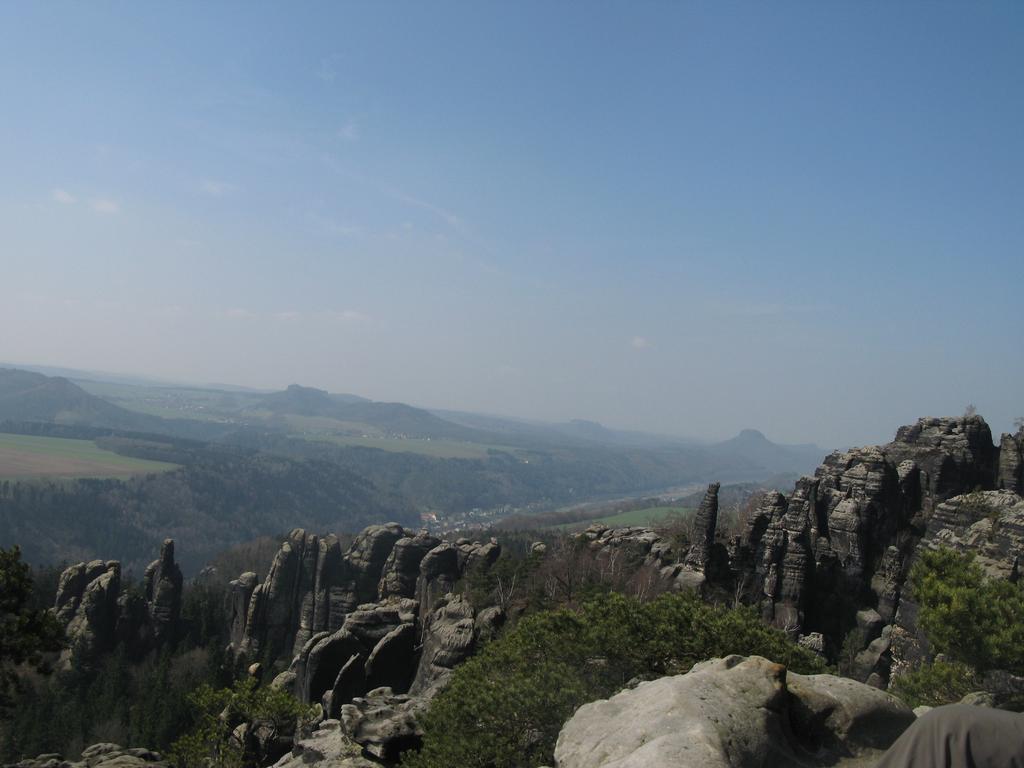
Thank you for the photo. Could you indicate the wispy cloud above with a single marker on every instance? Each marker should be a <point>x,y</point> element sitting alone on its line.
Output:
<point>404,197</point>
<point>105,206</point>
<point>63,197</point>
<point>327,70</point>
<point>347,315</point>
<point>334,227</point>
<point>216,188</point>
<point>640,342</point>
<point>398,194</point>
<point>349,131</point>
<point>756,308</point>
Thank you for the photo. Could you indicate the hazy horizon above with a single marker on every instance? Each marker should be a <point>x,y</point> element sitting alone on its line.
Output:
<point>681,219</point>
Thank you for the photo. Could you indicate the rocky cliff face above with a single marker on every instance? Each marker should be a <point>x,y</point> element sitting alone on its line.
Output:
<point>834,555</point>
<point>97,616</point>
<point>163,585</point>
<point>87,607</point>
<point>844,541</point>
<point>1011,462</point>
<point>312,587</point>
<point>377,623</point>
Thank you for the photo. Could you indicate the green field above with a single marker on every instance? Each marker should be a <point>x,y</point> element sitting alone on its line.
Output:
<point>25,456</point>
<point>441,449</point>
<point>647,516</point>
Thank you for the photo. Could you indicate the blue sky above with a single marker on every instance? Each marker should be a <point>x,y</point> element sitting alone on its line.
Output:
<point>680,217</point>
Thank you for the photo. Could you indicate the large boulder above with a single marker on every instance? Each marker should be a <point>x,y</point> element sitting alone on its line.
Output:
<point>103,755</point>
<point>734,712</point>
<point>384,723</point>
<point>327,746</point>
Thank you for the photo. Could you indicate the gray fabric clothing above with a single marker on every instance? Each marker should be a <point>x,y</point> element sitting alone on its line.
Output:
<point>960,736</point>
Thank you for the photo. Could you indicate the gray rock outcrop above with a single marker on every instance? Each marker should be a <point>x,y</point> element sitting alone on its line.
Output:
<point>450,635</point>
<point>384,723</point>
<point>732,713</point>
<point>237,599</point>
<point>97,615</point>
<point>402,568</point>
<point>1011,462</point>
<point>163,587</point>
<point>327,746</point>
<point>312,587</point>
<point>105,755</point>
<point>844,541</point>
<point>831,559</point>
<point>380,617</point>
<point>704,524</point>
<point>87,607</point>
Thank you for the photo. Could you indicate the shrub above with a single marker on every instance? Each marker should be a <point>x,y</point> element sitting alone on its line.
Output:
<point>505,706</point>
<point>936,684</point>
<point>967,616</point>
<point>211,744</point>
<point>27,632</point>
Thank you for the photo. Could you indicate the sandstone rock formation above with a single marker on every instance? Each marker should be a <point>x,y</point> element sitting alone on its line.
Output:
<point>237,604</point>
<point>311,586</point>
<point>1011,462</point>
<point>87,607</point>
<point>326,746</point>
<point>384,723</point>
<point>402,568</point>
<point>704,524</point>
<point>733,712</point>
<point>450,635</point>
<point>843,541</point>
<point>96,615</point>
<point>163,585</point>
<point>835,554</point>
<point>100,756</point>
<point>372,633</point>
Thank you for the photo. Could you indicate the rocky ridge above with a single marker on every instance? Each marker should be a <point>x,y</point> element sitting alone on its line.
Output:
<point>834,555</point>
<point>372,633</point>
<point>97,615</point>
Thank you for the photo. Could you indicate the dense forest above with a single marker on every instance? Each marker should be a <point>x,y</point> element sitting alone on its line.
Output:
<point>261,482</point>
<point>220,496</point>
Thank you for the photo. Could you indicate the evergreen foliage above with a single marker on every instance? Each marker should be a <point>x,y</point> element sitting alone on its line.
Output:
<point>935,684</point>
<point>967,616</point>
<point>211,741</point>
<point>505,706</point>
<point>122,698</point>
<point>27,631</point>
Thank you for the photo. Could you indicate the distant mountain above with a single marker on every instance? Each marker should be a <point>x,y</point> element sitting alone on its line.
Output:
<point>389,418</point>
<point>753,447</point>
<point>575,431</point>
<point>301,401</point>
<point>28,396</point>
<point>80,375</point>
